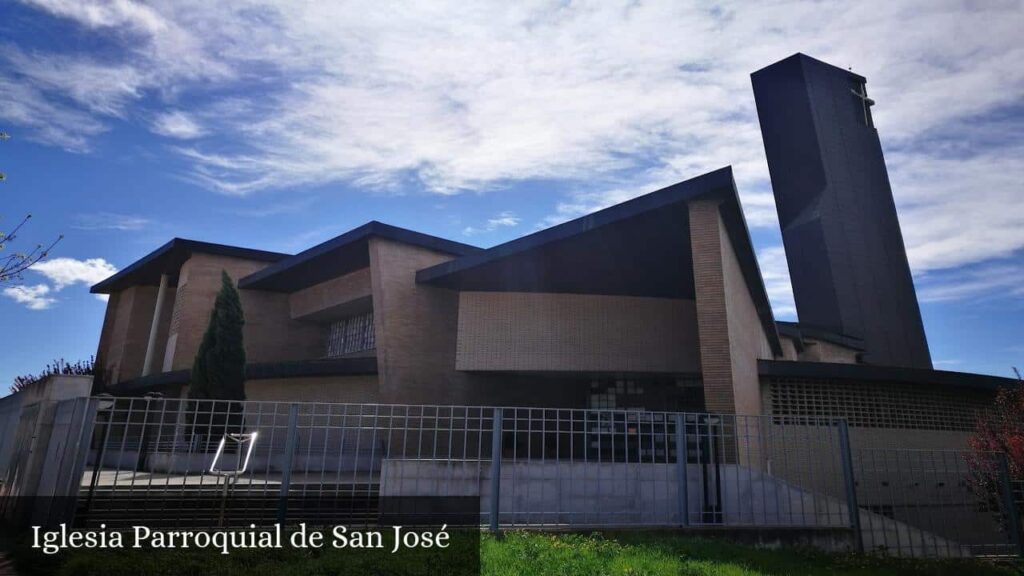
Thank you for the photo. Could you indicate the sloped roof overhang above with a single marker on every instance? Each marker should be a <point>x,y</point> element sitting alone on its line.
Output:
<point>167,259</point>
<point>640,247</point>
<point>341,255</point>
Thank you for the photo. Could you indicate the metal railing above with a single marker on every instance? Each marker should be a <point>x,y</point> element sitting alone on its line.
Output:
<point>149,460</point>
<point>555,465</point>
<point>930,503</point>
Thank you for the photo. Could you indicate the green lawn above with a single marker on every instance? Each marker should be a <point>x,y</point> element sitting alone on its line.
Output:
<point>514,554</point>
<point>657,554</point>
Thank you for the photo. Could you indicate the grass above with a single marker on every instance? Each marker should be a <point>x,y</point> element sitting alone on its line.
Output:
<point>514,554</point>
<point>657,554</point>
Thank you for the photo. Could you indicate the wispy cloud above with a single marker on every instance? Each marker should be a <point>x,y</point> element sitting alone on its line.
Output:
<point>177,124</point>
<point>503,220</point>
<point>995,279</point>
<point>446,98</point>
<point>110,221</point>
<point>294,204</point>
<point>33,297</point>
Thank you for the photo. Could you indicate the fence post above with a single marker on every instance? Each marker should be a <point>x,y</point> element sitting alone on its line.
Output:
<point>1012,518</point>
<point>495,467</point>
<point>291,439</point>
<point>849,481</point>
<point>682,480</point>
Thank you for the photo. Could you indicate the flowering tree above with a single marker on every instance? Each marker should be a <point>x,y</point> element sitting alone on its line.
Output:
<point>1001,430</point>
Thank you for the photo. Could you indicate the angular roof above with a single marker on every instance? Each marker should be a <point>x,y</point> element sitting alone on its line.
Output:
<point>640,247</point>
<point>167,259</point>
<point>872,373</point>
<point>341,255</point>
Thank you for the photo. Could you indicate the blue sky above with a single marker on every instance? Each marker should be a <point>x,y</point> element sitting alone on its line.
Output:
<point>275,125</point>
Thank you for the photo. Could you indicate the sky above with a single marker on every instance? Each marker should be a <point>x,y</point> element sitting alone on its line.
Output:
<point>278,125</point>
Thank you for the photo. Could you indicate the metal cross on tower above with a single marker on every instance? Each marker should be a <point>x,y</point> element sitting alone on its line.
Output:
<point>865,101</point>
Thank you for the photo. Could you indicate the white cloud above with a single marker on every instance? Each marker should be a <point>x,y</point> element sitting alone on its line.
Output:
<point>775,272</point>
<point>450,97</point>
<point>33,297</point>
<point>960,209</point>
<point>1000,278</point>
<point>177,124</point>
<point>503,220</point>
<point>47,122</point>
<point>61,272</point>
<point>66,271</point>
<point>110,221</point>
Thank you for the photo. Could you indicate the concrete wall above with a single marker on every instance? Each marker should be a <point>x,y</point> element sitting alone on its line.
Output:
<point>880,453</point>
<point>27,419</point>
<point>561,492</point>
<point>576,332</point>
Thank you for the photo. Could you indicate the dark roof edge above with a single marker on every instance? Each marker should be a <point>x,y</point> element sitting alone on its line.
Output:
<point>372,228</point>
<point>869,373</point>
<point>717,182</point>
<point>804,58</point>
<point>192,246</point>
<point>801,331</point>
<point>680,191</point>
<point>260,371</point>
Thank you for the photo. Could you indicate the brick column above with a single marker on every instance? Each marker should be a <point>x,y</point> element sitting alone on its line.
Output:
<point>712,320</point>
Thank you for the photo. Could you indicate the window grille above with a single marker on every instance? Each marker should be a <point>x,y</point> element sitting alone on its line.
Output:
<point>877,405</point>
<point>349,335</point>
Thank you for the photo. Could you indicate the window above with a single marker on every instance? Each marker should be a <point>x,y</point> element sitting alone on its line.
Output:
<point>349,335</point>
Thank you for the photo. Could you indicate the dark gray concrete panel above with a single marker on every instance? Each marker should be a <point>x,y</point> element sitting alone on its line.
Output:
<point>843,242</point>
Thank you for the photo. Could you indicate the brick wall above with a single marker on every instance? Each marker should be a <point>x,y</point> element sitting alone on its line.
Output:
<point>415,327</point>
<point>576,332</point>
<point>336,292</point>
<point>731,335</point>
<point>125,332</point>
<point>747,339</point>
<point>270,333</point>
<point>354,389</point>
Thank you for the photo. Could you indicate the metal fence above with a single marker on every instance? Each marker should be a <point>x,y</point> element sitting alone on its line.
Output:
<point>928,503</point>
<point>196,463</point>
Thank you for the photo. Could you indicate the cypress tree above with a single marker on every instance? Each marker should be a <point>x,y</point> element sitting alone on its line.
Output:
<point>218,372</point>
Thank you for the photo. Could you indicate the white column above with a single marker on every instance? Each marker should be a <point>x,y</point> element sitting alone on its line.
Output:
<point>147,364</point>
